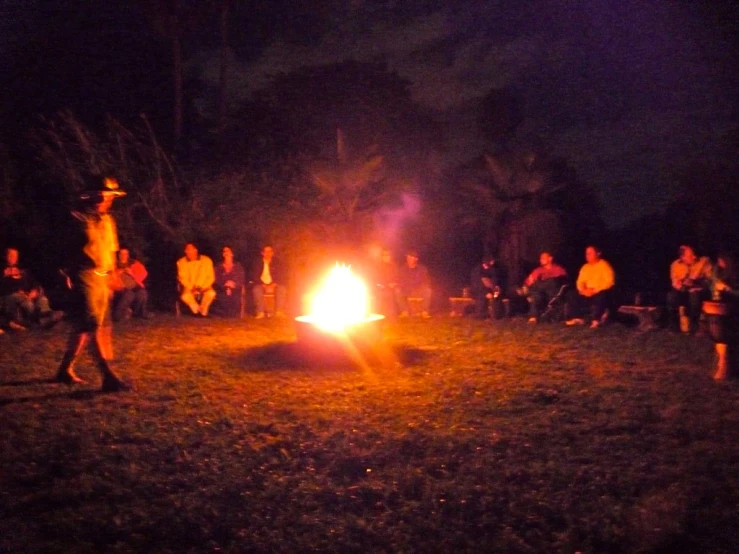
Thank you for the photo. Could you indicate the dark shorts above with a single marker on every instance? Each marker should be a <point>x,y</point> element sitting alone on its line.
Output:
<point>90,307</point>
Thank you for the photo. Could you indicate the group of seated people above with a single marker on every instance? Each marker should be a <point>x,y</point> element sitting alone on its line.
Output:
<point>399,290</point>
<point>693,280</point>
<point>590,300</point>
<point>23,301</point>
<point>202,284</point>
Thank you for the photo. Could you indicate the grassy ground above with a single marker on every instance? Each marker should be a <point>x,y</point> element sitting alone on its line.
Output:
<point>479,437</point>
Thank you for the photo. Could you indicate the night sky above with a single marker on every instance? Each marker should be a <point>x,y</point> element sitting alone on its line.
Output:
<point>631,92</point>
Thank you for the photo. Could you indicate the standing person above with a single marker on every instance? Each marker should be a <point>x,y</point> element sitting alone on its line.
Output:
<point>413,282</point>
<point>131,293</point>
<point>196,276</point>
<point>543,284</point>
<point>91,268</point>
<point>228,284</point>
<point>690,277</point>
<point>594,286</point>
<point>485,285</point>
<point>267,278</point>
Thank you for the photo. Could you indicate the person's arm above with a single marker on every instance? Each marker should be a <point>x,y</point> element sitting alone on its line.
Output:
<point>607,278</point>
<point>581,280</point>
<point>139,273</point>
<point>676,278</point>
<point>533,276</point>
<point>209,275</point>
<point>183,275</point>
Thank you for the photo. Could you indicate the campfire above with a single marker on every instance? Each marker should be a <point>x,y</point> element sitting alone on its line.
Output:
<point>340,314</point>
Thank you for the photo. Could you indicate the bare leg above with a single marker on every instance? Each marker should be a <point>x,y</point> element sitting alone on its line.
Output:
<point>66,373</point>
<point>104,338</point>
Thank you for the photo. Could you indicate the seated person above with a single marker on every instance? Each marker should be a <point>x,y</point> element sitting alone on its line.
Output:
<point>195,276</point>
<point>413,281</point>
<point>594,288</point>
<point>725,278</point>
<point>267,278</point>
<point>542,285</point>
<point>228,284</point>
<point>23,300</point>
<point>690,278</point>
<point>130,291</point>
<point>386,283</point>
<point>486,287</point>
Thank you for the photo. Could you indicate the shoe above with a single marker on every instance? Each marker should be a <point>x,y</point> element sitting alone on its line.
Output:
<point>2,332</point>
<point>595,324</point>
<point>114,384</point>
<point>403,314</point>
<point>16,326</point>
<point>575,321</point>
<point>425,315</point>
<point>259,315</point>
<point>69,378</point>
<point>533,320</point>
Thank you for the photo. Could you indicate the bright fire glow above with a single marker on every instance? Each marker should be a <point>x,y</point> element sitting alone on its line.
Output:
<point>341,300</point>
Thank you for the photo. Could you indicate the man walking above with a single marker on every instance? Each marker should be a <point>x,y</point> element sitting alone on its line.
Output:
<point>93,263</point>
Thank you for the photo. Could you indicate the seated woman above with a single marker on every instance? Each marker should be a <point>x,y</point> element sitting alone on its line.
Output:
<point>228,285</point>
<point>594,290</point>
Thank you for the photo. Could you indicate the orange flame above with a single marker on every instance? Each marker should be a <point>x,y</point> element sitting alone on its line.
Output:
<point>340,301</point>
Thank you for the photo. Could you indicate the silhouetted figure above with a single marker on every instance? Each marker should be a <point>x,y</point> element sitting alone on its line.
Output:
<point>690,278</point>
<point>89,274</point>
<point>413,282</point>
<point>229,282</point>
<point>268,278</point>
<point>542,285</point>
<point>131,296</point>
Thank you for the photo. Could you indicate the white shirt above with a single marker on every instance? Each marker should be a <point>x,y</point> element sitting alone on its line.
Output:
<point>266,277</point>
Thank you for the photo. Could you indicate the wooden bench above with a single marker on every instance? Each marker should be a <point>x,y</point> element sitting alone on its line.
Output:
<point>648,316</point>
<point>459,305</point>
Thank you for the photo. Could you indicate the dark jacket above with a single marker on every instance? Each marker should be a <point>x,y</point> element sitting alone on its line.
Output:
<point>275,270</point>
<point>410,279</point>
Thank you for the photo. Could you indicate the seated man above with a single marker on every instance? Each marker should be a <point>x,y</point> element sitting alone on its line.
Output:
<point>725,278</point>
<point>23,299</point>
<point>228,285</point>
<point>267,278</point>
<point>413,281</point>
<point>690,277</point>
<point>542,285</point>
<point>130,291</point>
<point>195,275</point>
<point>386,283</point>
<point>594,287</point>
<point>486,287</point>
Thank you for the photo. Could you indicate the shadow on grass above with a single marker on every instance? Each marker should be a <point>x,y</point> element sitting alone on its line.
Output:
<point>87,394</point>
<point>29,382</point>
<point>297,356</point>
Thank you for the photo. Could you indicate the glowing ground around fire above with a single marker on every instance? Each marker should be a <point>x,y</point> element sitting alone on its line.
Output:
<point>477,437</point>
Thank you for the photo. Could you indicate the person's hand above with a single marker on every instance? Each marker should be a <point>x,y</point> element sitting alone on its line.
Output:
<point>487,282</point>
<point>33,294</point>
<point>230,284</point>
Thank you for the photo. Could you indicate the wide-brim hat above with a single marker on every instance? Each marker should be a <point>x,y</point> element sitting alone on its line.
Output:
<point>100,186</point>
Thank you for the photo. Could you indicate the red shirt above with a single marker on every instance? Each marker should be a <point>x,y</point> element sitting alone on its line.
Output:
<point>542,273</point>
